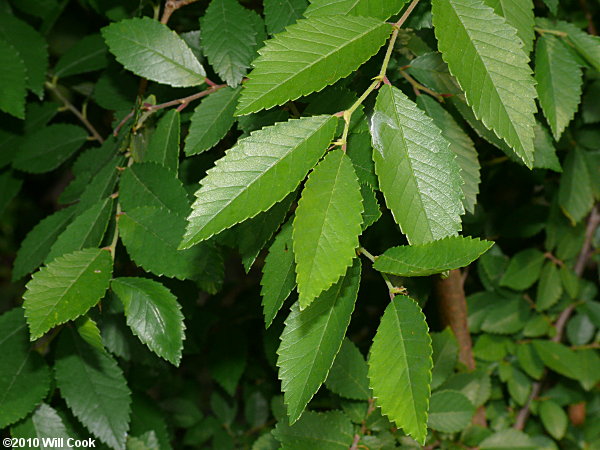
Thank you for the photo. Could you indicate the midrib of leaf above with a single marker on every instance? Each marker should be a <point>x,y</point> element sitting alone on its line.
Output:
<point>353,378</point>
<point>107,414</point>
<point>147,48</point>
<point>14,378</point>
<point>321,235</point>
<point>80,60</point>
<point>327,55</point>
<point>152,194</point>
<point>62,143</point>
<point>71,284</point>
<point>487,72</point>
<point>152,232</point>
<point>406,362</point>
<point>11,334</point>
<point>147,306</point>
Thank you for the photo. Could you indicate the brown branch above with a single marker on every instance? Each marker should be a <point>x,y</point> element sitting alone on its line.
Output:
<point>586,250</point>
<point>171,6</point>
<point>589,17</point>
<point>54,89</point>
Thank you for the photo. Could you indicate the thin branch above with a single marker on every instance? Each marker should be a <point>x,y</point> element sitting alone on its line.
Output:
<point>419,87</point>
<point>589,17</point>
<point>54,89</point>
<point>171,6</point>
<point>584,255</point>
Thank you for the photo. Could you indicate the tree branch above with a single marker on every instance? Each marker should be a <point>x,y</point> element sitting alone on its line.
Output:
<point>171,6</point>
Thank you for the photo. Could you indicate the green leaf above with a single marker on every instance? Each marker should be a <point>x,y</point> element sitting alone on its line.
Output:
<point>433,72</point>
<point>460,144</point>
<point>279,274</point>
<point>151,236</point>
<point>32,49</point>
<point>529,360</point>
<point>24,376</point>
<point>553,418</point>
<point>9,188</point>
<point>490,347</point>
<point>308,56</point>
<point>491,67</point>
<point>94,388</point>
<point>281,13</point>
<point>445,355</point>
<point>330,430</point>
<point>229,39</point>
<point>227,358</point>
<point>153,315</point>
<point>151,50</point>
<point>327,222</point>
<point>211,121</point>
<point>434,257</point>
<point>476,386</point>
<point>312,338</point>
<point>580,329</point>
<point>379,9</point>
<point>48,147</point>
<point>44,424</point>
<point>418,173</point>
<point>372,211</point>
<point>558,358</point>
<point>508,439</point>
<point>589,366</point>
<point>256,173</point>
<point>66,288</point>
<point>87,230</point>
<point>348,376</point>
<point>87,55</point>
<point>101,185</point>
<point>549,289</point>
<point>150,184</point>
<point>519,386</point>
<point>89,332</point>
<point>545,153</point>
<point>507,316</point>
<point>559,80</point>
<point>523,270</point>
<point>449,411</point>
<point>575,191</point>
<point>12,81</point>
<point>519,14</point>
<point>38,242</point>
<point>400,366</point>
<point>164,143</point>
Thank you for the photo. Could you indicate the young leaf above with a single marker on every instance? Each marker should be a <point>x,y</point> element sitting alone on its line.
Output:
<point>164,143</point>
<point>86,231</point>
<point>38,242</point>
<point>94,388</point>
<point>312,338</point>
<point>379,9</point>
<point>150,184</point>
<point>549,289</point>
<point>348,375</point>
<point>433,257</point>
<point>460,144</point>
<point>519,14</point>
<point>66,288</point>
<point>44,424</point>
<point>279,274</point>
<point>257,172</point>
<point>151,50</point>
<point>153,315</point>
<point>49,147</point>
<point>151,236</point>
<point>327,222</point>
<point>400,366</point>
<point>24,376</point>
<point>331,430</point>
<point>89,332</point>
<point>12,81</point>
<point>575,192</point>
<point>211,121</point>
<point>308,56</point>
<point>559,80</point>
<point>229,39</point>
<point>87,55</point>
<point>281,13</point>
<point>491,67</point>
<point>32,48</point>
<point>449,411</point>
<point>523,270</point>
<point>418,173</point>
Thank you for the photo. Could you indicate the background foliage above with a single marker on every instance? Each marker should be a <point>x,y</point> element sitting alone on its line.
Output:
<point>192,194</point>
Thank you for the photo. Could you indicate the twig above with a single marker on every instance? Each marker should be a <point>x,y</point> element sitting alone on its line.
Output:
<point>589,17</point>
<point>419,87</point>
<point>54,89</point>
<point>586,250</point>
<point>171,6</point>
